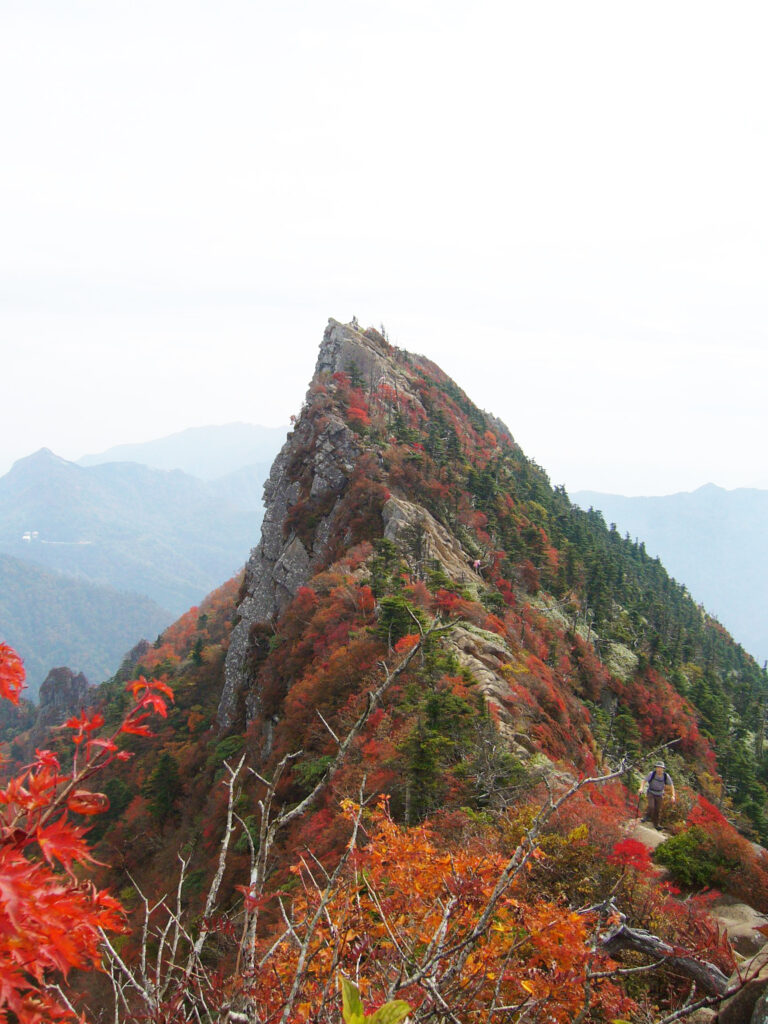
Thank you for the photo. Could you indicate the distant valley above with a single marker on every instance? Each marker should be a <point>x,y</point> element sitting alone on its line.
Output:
<point>95,556</point>
<point>53,620</point>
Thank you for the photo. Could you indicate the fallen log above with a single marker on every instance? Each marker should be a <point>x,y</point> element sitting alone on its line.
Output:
<point>707,976</point>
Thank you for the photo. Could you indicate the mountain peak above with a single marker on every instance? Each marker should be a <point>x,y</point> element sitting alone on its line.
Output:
<point>395,503</point>
<point>709,488</point>
<point>42,463</point>
<point>43,456</point>
<point>346,345</point>
<point>367,408</point>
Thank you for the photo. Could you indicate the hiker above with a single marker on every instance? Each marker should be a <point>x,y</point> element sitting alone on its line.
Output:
<point>654,786</point>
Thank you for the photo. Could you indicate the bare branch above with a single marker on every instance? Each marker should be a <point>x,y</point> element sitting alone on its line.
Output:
<point>330,730</point>
<point>213,891</point>
<point>324,900</point>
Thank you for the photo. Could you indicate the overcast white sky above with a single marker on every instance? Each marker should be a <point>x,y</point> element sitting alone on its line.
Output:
<point>562,204</point>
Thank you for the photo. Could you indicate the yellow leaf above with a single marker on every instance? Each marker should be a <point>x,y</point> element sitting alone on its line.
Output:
<point>352,1009</point>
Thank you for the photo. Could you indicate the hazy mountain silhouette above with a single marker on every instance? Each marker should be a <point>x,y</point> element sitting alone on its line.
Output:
<point>205,452</point>
<point>161,533</point>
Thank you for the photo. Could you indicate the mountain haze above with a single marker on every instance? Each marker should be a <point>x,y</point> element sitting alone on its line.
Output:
<point>204,452</point>
<point>161,533</point>
<point>54,620</point>
<point>714,541</point>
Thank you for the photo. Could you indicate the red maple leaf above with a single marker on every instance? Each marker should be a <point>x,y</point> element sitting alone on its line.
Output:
<point>11,674</point>
<point>63,842</point>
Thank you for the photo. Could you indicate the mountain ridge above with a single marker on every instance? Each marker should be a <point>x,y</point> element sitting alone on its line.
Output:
<point>308,503</point>
<point>205,452</point>
<point>713,540</point>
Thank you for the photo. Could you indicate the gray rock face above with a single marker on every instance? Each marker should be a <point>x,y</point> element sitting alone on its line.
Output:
<point>315,464</point>
<point>747,1006</point>
<point>62,694</point>
<point>741,922</point>
<point>401,516</point>
<point>344,347</point>
<point>331,470</point>
<point>484,654</point>
<point>739,1009</point>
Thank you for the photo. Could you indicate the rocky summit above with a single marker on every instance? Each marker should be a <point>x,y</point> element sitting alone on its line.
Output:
<point>566,642</point>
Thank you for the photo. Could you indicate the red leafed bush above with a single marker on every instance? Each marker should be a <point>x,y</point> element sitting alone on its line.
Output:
<point>704,813</point>
<point>50,920</point>
<point>631,853</point>
<point>405,643</point>
<point>359,416</point>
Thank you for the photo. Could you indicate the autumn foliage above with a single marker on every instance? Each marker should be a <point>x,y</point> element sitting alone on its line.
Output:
<point>558,649</point>
<point>50,918</point>
<point>407,917</point>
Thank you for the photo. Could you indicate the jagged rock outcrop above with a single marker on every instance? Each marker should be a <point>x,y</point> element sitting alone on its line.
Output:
<point>407,523</point>
<point>326,452</point>
<point>62,694</point>
<point>484,654</point>
<point>345,346</point>
<point>313,470</point>
<point>133,657</point>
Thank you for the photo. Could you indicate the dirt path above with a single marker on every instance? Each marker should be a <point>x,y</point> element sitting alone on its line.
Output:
<point>738,919</point>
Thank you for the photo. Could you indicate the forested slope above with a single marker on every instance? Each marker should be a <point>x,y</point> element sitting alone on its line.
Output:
<point>54,620</point>
<point>712,540</point>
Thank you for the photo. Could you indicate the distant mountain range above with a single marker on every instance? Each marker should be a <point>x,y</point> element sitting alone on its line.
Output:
<point>712,540</point>
<point>161,533</point>
<point>205,452</point>
<point>97,556</point>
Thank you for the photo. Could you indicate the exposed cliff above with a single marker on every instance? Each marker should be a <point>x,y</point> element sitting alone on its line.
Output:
<point>307,483</point>
<point>62,694</point>
<point>313,471</point>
